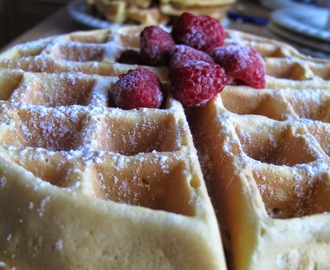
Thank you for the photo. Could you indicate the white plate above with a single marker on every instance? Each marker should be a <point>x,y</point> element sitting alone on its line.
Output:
<point>77,11</point>
<point>277,4</point>
<point>283,35</point>
<point>292,36</point>
<point>308,22</point>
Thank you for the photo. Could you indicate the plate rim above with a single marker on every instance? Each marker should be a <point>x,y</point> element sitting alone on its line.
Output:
<point>77,10</point>
<point>281,18</point>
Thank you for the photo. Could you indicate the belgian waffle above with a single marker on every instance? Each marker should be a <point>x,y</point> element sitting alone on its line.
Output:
<point>155,12</point>
<point>103,186</point>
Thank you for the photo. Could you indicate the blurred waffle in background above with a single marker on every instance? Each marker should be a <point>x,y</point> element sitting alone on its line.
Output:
<point>155,12</point>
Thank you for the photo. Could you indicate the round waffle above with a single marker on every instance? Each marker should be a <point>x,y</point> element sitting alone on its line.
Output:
<point>86,186</point>
<point>155,12</point>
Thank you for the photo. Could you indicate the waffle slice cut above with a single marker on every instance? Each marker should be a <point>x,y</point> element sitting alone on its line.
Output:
<point>86,186</point>
<point>84,213</point>
<point>267,170</point>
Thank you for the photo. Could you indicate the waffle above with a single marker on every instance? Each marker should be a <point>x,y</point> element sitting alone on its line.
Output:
<point>85,186</point>
<point>215,9</point>
<point>155,12</point>
<point>265,158</point>
<point>102,187</point>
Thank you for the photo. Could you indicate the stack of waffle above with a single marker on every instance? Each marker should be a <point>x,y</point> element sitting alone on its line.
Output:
<point>154,12</point>
<point>85,186</point>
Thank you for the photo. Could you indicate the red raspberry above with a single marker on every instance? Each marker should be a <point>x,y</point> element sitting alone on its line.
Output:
<point>243,65</point>
<point>138,88</point>
<point>181,53</point>
<point>195,82</point>
<point>198,31</point>
<point>155,46</point>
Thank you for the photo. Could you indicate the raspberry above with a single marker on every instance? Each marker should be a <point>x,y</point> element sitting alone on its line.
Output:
<point>181,53</point>
<point>130,57</point>
<point>243,65</point>
<point>198,31</point>
<point>155,46</point>
<point>138,88</point>
<point>195,82</point>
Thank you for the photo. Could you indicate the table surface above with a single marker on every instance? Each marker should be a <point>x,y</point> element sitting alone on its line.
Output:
<point>61,22</point>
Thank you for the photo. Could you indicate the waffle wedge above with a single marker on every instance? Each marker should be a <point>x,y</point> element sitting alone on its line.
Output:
<point>85,186</point>
<point>265,158</point>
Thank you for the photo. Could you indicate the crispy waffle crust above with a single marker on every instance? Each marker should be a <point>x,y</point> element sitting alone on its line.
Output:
<point>86,186</point>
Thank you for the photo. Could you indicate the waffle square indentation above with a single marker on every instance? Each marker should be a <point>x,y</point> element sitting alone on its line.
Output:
<point>139,132</point>
<point>56,168</point>
<point>9,82</point>
<point>290,193</point>
<point>311,104</point>
<point>49,129</point>
<point>78,52</point>
<point>153,181</point>
<point>247,101</point>
<point>54,90</point>
<point>278,145</point>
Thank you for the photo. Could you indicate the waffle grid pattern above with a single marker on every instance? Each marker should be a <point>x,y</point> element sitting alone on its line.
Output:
<point>131,178</point>
<point>55,124</point>
<point>268,166</point>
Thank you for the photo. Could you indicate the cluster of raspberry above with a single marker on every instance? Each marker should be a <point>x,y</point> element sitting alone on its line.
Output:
<point>200,65</point>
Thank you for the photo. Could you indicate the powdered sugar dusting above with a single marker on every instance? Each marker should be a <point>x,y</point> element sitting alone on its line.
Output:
<point>41,209</point>
<point>3,182</point>
<point>59,245</point>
